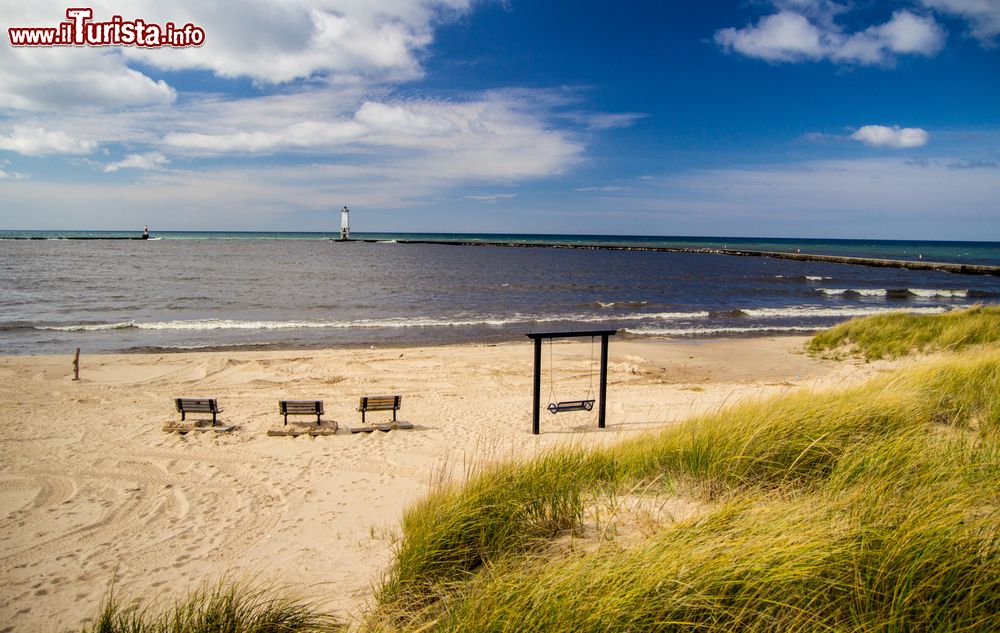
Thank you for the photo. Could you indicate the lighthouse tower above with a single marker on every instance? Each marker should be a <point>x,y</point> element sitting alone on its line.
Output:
<point>345,226</point>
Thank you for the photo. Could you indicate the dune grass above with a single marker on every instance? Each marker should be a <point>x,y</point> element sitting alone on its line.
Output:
<point>898,334</point>
<point>875,509</point>
<point>223,608</point>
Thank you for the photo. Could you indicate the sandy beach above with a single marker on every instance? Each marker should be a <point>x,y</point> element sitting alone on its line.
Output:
<point>92,487</point>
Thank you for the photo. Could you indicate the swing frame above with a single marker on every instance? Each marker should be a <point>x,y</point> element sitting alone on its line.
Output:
<point>538,337</point>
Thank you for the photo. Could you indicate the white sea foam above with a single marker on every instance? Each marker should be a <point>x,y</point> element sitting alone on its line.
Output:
<point>497,321</point>
<point>806,277</point>
<point>663,316</point>
<point>628,304</point>
<point>813,311</point>
<point>392,322</point>
<point>864,292</point>
<point>89,327</point>
<point>702,331</point>
<point>927,293</point>
<point>228,324</point>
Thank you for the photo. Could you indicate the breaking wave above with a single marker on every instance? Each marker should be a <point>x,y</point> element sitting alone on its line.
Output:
<point>89,327</point>
<point>395,322</point>
<point>709,331</point>
<point>901,293</point>
<point>789,312</point>
<point>811,311</point>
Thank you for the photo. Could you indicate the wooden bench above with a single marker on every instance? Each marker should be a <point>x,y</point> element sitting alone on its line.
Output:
<point>379,403</point>
<point>301,407</point>
<point>198,405</point>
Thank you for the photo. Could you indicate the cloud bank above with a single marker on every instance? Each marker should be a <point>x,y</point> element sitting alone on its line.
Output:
<point>320,101</point>
<point>807,32</point>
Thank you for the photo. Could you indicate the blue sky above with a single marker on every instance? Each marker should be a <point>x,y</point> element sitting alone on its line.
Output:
<point>786,118</point>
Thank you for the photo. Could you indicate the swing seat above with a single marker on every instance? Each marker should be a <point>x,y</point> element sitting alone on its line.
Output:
<point>571,405</point>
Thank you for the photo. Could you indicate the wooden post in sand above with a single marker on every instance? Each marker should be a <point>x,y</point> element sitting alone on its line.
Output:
<point>76,365</point>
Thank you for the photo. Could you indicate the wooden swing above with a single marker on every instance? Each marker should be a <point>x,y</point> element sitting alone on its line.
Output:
<point>571,405</point>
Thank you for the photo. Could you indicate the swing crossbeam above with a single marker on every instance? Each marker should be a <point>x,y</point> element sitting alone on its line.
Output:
<point>571,405</point>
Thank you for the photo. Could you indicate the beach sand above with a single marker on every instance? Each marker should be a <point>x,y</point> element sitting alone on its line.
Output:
<point>91,487</point>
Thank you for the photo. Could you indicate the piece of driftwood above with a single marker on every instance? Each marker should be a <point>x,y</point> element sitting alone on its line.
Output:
<point>187,427</point>
<point>327,427</point>
<point>386,426</point>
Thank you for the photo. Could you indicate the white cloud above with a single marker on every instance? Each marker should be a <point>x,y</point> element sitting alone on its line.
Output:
<point>303,135</point>
<point>894,137</point>
<point>278,42</point>
<point>598,121</point>
<point>491,137</point>
<point>491,198</point>
<point>785,37</point>
<point>605,189</point>
<point>806,31</point>
<point>38,141</point>
<point>10,174</point>
<point>907,33</point>
<point>403,120</point>
<point>145,162</point>
<point>41,79</point>
<point>983,16</point>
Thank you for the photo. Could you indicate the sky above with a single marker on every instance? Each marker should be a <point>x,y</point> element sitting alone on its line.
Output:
<point>757,118</point>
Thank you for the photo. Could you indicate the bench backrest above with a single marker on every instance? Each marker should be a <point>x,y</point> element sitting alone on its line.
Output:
<point>304,407</point>
<point>197,405</point>
<point>380,403</point>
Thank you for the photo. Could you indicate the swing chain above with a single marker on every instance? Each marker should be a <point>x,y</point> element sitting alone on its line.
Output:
<point>575,405</point>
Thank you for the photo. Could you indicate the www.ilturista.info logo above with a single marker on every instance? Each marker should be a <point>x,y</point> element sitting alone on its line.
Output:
<point>81,30</point>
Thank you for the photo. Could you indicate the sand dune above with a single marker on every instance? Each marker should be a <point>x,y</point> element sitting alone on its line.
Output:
<point>92,487</point>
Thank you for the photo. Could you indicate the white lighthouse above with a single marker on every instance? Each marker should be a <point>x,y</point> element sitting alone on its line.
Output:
<point>345,226</point>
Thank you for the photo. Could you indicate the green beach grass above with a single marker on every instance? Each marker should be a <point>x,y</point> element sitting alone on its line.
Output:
<point>873,509</point>
<point>898,334</point>
<point>228,607</point>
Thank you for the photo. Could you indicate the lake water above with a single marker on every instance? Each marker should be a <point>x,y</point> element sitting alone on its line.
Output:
<point>237,290</point>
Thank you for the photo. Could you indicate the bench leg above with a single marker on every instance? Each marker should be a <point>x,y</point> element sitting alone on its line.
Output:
<point>393,415</point>
<point>213,418</point>
<point>182,415</point>
<point>362,416</point>
<point>286,420</point>
<point>317,419</point>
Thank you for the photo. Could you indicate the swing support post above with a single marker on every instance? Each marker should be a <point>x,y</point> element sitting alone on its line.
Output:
<point>604,381</point>
<point>537,337</point>
<point>536,391</point>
